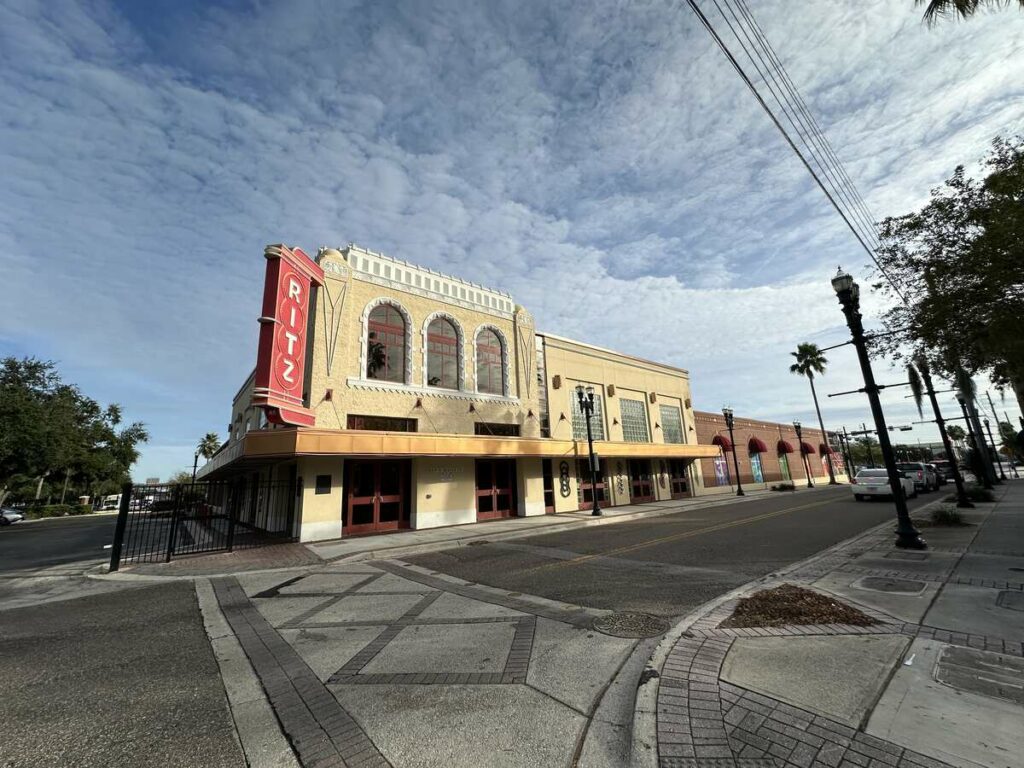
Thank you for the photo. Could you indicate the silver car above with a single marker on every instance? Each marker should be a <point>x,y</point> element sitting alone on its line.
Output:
<point>875,482</point>
<point>8,516</point>
<point>923,475</point>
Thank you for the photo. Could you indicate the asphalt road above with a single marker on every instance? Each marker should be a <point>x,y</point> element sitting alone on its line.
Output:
<point>46,543</point>
<point>126,678</point>
<point>672,564</point>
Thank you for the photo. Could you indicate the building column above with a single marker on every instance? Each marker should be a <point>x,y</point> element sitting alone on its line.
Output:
<point>320,513</point>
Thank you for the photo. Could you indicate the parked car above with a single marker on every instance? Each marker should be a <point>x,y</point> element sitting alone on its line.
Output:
<point>941,473</point>
<point>869,483</point>
<point>923,476</point>
<point>8,516</point>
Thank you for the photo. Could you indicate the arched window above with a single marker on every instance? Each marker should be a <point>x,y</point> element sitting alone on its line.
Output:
<point>385,344</point>
<point>442,354</point>
<point>490,363</point>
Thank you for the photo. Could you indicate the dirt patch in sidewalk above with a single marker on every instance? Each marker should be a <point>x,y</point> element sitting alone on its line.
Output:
<point>789,604</point>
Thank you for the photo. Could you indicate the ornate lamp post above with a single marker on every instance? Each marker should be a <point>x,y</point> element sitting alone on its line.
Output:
<point>586,398</point>
<point>848,293</point>
<point>729,423</point>
<point>195,467</point>
<point>803,456</point>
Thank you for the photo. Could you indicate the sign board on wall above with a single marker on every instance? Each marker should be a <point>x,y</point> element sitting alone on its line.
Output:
<point>284,325</point>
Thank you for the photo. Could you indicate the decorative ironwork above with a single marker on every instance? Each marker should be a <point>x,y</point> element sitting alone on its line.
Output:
<point>564,487</point>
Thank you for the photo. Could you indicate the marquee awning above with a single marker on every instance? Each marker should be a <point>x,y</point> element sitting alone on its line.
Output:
<point>827,450</point>
<point>783,447</point>
<point>806,447</point>
<point>756,445</point>
<point>723,442</point>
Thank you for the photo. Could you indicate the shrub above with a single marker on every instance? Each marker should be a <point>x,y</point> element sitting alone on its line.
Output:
<point>57,510</point>
<point>947,516</point>
<point>974,493</point>
<point>784,487</point>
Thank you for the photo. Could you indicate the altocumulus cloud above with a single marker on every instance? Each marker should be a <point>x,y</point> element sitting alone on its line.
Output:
<point>598,161</point>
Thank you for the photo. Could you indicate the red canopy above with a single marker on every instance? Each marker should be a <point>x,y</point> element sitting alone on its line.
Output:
<point>807,447</point>
<point>723,441</point>
<point>756,445</point>
<point>826,449</point>
<point>783,447</point>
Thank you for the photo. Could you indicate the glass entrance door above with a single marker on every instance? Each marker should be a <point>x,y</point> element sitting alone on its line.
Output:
<point>377,496</point>
<point>549,486</point>
<point>495,488</point>
<point>641,488</point>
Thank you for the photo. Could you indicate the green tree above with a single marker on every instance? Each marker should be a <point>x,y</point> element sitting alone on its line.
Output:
<point>49,428</point>
<point>956,263</point>
<point>809,361</point>
<point>962,9</point>
<point>209,445</point>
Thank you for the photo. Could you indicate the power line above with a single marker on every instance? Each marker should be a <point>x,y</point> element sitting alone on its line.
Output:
<point>794,117</point>
<point>789,140</point>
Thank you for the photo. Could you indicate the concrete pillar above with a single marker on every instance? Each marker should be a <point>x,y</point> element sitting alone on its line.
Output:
<point>321,512</point>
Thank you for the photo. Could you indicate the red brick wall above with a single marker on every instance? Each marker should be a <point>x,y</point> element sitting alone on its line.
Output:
<point>708,425</point>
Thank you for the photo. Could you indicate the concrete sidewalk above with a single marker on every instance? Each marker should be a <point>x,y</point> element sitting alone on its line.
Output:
<point>937,680</point>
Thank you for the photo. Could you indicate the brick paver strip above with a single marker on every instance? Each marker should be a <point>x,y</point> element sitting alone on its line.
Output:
<point>321,732</point>
<point>579,617</point>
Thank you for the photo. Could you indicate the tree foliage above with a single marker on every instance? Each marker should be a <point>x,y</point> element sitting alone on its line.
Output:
<point>209,445</point>
<point>961,9</point>
<point>957,263</point>
<point>49,429</point>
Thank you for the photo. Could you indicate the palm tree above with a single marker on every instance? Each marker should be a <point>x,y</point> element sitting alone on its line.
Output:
<point>209,445</point>
<point>961,8</point>
<point>809,361</point>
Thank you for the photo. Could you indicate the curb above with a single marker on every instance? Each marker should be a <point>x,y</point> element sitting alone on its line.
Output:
<point>644,750</point>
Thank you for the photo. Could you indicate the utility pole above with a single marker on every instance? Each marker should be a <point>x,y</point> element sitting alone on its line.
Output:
<point>961,494</point>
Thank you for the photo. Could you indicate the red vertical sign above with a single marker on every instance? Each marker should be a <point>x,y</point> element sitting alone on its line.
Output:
<point>281,359</point>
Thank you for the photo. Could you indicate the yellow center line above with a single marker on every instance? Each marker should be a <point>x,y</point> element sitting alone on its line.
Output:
<point>676,537</point>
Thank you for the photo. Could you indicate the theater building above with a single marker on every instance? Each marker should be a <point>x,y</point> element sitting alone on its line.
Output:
<point>396,397</point>
<point>399,397</point>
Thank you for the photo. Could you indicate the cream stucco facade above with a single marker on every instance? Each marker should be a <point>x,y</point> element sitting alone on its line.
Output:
<point>401,452</point>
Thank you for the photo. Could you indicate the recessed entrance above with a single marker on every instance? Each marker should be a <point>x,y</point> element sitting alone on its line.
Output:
<point>585,491</point>
<point>495,488</point>
<point>376,496</point>
<point>641,488</point>
<point>549,486</point>
<point>677,478</point>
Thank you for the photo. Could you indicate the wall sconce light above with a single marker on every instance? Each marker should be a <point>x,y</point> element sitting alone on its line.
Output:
<point>615,422</point>
<point>556,382</point>
<point>329,394</point>
<point>657,425</point>
<point>419,402</point>
<point>654,397</point>
<point>472,408</point>
<point>687,402</point>
<point>529,414</point>
<point>562,417</point>
<point>611,390</point>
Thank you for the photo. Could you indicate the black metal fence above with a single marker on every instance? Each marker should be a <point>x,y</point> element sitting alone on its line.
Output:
<point>156,523</point>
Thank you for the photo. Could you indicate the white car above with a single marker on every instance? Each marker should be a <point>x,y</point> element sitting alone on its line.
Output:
<point>875,482</point>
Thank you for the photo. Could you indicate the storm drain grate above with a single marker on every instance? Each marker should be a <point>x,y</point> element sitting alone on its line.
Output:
<point>629,624</point>
<point>886,584</point>
<point>1011,599</point>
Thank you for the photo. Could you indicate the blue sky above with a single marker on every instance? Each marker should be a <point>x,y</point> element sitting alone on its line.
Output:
<point>599,161</point>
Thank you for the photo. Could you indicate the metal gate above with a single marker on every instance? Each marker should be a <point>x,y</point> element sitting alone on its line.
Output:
<point>156,523</point>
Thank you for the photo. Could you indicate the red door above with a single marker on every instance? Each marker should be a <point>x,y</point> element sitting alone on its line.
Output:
<point>495,488</point>
<point>376,496</point>
<point>641,488</point>
<point>677,478</point>
<point>586,489</point>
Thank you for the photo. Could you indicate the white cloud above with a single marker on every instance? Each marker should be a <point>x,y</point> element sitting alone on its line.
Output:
<point>148,157</point>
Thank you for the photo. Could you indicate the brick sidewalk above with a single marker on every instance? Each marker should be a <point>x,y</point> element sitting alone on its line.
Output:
<point>239,561</point>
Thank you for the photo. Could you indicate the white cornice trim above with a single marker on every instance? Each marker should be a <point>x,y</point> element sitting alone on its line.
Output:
<point>449,394</point>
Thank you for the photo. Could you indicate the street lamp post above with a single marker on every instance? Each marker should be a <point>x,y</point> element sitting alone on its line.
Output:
<point>844,441</point>
<point>848,293</point>
<point>195,467</point>
<point>995,449</point>
<point>803,454</point>
<point>729,422</point>
<point>586,399</point>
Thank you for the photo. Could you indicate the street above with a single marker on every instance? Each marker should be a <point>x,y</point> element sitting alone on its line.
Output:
<point>669,565</point>
<point>34,545</point>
